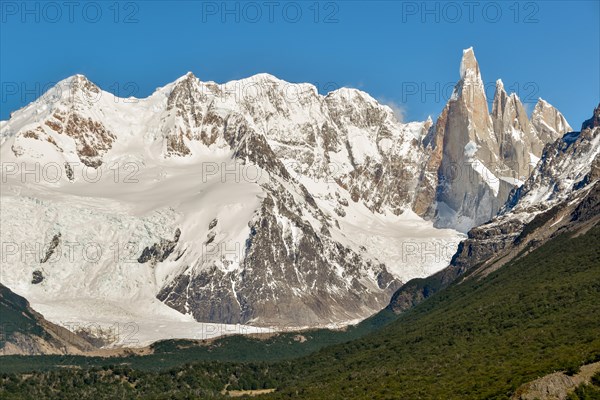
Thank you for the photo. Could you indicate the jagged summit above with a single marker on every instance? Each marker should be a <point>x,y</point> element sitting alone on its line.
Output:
<point>543,105</point>
<point>75,78</point>
<point>78,82</point>
<point>187,76</point>
<point>469,68</point>
<point>351,94</point>
<point>548,121</point>
<point>470,89</point>
<point>500,95</point>
<point>594,121</point>
<point>481,156</point>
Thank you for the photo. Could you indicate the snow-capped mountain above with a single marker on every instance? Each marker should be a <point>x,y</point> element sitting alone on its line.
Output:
<point>256,201</point>
<point>200,204</point>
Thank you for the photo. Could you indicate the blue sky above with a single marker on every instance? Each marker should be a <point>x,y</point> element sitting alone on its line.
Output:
<point>405,53</point>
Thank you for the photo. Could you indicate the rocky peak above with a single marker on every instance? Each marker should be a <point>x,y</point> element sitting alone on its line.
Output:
<point>485,155</point>
<point>516,136</point>
<point>548,121</point>
<point>467,187</point>
<point>503,104</point>
<point>592,122</point>
<point>76,92</point>
<point>500,96</point>
<point>184,91</point>
<point>470,89</point>
<point>81,82</point>
<point>469,68</point>
<point>507,103</point>
<point>69,121</point>
<point>473,108</point>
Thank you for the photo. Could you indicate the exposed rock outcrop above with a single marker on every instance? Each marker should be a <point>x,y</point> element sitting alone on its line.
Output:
<point>556,386</point>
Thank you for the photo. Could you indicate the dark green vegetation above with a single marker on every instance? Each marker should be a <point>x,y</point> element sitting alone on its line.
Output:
<point>590,391</point>
<point>206,380</point>
<point>480,339</point>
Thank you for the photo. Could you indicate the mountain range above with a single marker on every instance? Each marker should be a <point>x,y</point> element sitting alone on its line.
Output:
<point>264,203</point>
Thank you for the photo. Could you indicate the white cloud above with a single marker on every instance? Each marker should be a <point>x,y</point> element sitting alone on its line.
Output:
<point>399,110</point>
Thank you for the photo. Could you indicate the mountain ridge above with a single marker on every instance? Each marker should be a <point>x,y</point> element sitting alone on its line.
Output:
<point>336,177</point>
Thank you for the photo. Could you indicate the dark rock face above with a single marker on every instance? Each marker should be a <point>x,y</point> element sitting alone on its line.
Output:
<point>589,207</point>
<point>52,246</point>
<point>284,279</point>
<point>69,172</point>
<point>37,277</point>
<point>159,252</point>
<point>484,242</point>
<point>594,121</point>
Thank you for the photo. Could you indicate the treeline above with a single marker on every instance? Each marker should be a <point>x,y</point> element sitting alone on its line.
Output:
<point>204,380</point>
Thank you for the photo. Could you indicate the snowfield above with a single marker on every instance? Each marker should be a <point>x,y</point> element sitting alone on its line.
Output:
<point>94,281</point>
